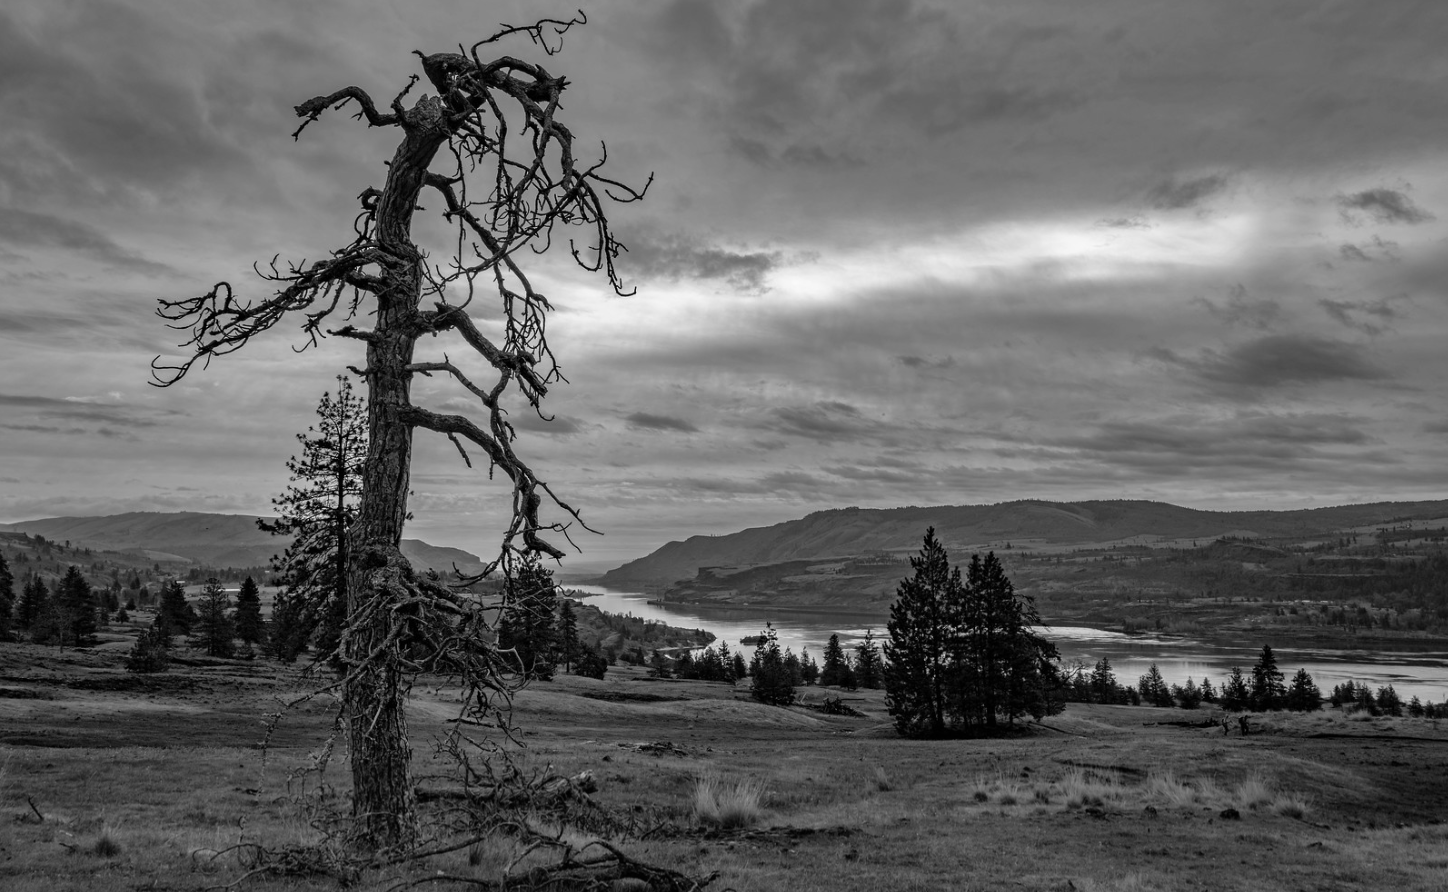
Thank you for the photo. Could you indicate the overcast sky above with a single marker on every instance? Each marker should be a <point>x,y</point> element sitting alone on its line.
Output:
<point>895,253</point>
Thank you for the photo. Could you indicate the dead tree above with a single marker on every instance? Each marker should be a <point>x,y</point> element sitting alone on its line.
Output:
<point>508,175</point>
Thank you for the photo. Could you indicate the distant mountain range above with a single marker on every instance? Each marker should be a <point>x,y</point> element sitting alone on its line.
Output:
<point>217,540</point>
<point>964,528</point>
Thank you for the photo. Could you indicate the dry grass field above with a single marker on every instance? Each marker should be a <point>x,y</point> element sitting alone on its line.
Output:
<point>113,781</point>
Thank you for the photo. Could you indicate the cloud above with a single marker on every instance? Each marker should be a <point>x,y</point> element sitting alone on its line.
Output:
<point>1245,441</point>
<point>680,257</point>
<point>1173,194</point>
<point>649,421</point>
<point>1347,312</point>
<point>1384,206</point>
<point>824,421</point>
<point>74,410</point>
<point>28,229</point>
<point>1277,360</point>
<point>1135,221</point>
<point>1241,310</point>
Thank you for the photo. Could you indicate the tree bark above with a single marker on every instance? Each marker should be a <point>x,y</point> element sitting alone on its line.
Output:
<point>374,697</point>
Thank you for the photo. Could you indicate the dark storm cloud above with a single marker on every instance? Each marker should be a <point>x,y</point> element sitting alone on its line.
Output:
<point>1173,194</point>
<point>1252,441</point>
<point>27,229</point>
<point>1350,313</point>
<point>77,410</point>
<point>825,421</point>
<point>678,257</point>
<point>1241,310</point>
<point>1384,206</point>
<point>652,422</point>
<point>1276,360</point>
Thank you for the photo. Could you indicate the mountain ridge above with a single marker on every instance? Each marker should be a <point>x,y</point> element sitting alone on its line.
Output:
<point>219,540</point>
<point>855,531</point>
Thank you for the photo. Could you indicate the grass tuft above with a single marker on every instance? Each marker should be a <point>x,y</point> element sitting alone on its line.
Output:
<point>1291,805</point>
<point>1253,793</point>
<point>728,804</point>
<point>882,780</point>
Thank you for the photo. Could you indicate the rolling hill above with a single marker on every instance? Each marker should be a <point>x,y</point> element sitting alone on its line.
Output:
<point>218,540</point>
<point>861,531</point>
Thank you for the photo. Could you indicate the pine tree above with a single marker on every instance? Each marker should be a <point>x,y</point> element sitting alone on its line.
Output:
<point>79,609</point>
<point>836,667</point>
<point>32,602</point>
<point>1268,689</point>
<point>7,600</point>
<point>740,668</point>
<point>925,621</point>
<point>317,509</point>
<point>1005,669</point>
<point>771,681</point>
<point>175,615</point>
<point>1103,684</point>
<point>1303,695</point>
<point>248,612</point>
<point>1235,694</point>
<point>1209,693</point>
<point>869,673</point>
<point>569,646</point>
<point>1389,703</point>
<point>214,630</point>
<point>526,625</point>
<point>150,653</point>
<point>1153,688</point>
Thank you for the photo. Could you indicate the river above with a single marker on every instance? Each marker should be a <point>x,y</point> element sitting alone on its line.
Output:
<point>1421,672</point>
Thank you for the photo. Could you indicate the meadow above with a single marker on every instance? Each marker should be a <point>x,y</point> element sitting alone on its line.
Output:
<point>110,780</point>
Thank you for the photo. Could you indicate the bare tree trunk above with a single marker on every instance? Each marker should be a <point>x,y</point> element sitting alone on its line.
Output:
<point>374,697</point>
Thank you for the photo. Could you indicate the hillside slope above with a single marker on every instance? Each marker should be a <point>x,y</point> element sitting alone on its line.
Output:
<point>218,540</point>
<point>862,531</point>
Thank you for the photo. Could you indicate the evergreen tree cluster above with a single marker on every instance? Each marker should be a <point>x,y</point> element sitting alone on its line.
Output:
<point>963,657</point>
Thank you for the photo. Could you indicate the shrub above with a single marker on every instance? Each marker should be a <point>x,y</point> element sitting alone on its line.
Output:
<point>728,804</point>
<point>149,653</point>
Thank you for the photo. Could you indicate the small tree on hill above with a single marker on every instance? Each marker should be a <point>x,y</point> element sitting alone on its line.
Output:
<point>1153,688</point>
<point>175,614</point>
<point>569,646</point>
<point>1303,695</point>
<point>79,606</point>
<point>7,600</point>
<point>1102,685</point>
<point>1268,689</point>
<point>214,631</point>
<point>32,602</point>
<point>526,624</point>
<point>836,669</point>
<point>248,622</point>
<point>770,679</point>
<point>869,671</point>
<point>1235,695</point>
<point>150,653</point>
